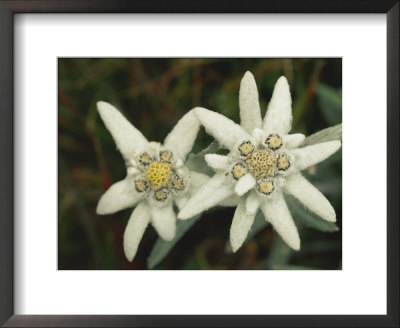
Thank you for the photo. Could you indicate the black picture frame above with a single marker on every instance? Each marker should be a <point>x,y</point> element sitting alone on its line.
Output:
<point>7,11</point>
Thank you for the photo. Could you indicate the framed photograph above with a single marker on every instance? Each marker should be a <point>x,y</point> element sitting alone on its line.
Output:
<point>187,165</point>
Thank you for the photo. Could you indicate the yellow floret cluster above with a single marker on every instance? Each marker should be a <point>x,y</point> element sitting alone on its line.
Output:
<point>246,148</point>
<point>159,174</point>
<point>261,163</point>
<point>274,142</point>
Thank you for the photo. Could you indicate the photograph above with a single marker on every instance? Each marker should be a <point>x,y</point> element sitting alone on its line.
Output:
<point>178,164</point>
<point>199,163</point>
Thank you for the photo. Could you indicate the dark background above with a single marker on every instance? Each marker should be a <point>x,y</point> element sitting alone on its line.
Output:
<point>153,94</point>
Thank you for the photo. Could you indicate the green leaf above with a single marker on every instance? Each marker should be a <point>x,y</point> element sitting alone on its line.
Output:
<point>308,218</point>
<point>196,162</point>
<point>279,255</point>
<point>330,101</point>
<point>328,134</point>
<point>259,224</point>
<point>162,248</point>
<point>323,246</point>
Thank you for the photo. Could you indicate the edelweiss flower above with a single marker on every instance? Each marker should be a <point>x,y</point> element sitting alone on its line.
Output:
<point>264,162</point>
<point>156,176</point>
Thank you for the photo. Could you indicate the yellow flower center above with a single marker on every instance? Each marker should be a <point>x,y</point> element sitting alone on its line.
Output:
<point>246,148</point>
<point>261,163</point>
<point>141,185</point>
<point>166,156</point>
<point>283,162</point>
<point>265,186</point>
<point>177,183</point>
<point>238,170</point>
<point>274,142</point>
<point>159,174</point>
<point>161,194</point>
<point>144,159</point>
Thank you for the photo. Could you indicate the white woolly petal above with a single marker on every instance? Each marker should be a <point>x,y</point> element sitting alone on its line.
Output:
<point>218,162</point>
<point>252,202</point>
<point>244,184</point>
<point>310,196</point>
<point>292,141</point>
<point>241,224</point>
<point>179,163</point>
<point>153,148</point>
<point>215,190</point>
<point>182,171</point>
<point>197,180</point>
<point>135,229</point>
<point>230,201</point>
<point>259,135</point>
<point>119,196</point>
<point>276,211</point>
<point>311,155</point>
<point>181,200</point>
<point>250,114</point>
<point>278,118</point>
<point>133,171</point>
<point>164,221</point>
<point>224,130</point>
<point>181,139</point>
<point>126,136</point>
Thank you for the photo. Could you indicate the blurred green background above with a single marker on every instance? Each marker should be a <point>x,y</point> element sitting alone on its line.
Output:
<point>153,94</point>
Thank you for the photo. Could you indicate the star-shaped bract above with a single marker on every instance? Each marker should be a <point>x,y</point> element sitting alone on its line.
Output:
<point>156,176</point>
<point>264,162</point>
